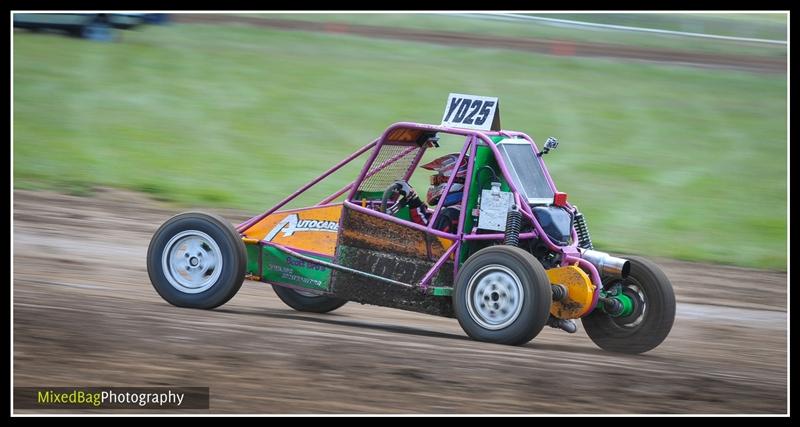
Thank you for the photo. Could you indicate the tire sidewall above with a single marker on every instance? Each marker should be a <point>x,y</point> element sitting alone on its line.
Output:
<point>317,304</point>
<point>656,323</point>
<point>232,253</point>
<point>537,295</point>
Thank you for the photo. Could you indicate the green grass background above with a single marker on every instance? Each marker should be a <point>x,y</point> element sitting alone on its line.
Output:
<point>671,161</point>
<point>770,26</point>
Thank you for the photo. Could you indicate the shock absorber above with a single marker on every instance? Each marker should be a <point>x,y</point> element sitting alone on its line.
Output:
<point>513,226</point>
<point>584,239</point>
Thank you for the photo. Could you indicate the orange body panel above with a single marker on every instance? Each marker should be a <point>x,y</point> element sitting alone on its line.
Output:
<point>307,229</point>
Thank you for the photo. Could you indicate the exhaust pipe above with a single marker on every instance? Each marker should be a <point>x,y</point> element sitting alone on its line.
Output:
<point>607,264</point>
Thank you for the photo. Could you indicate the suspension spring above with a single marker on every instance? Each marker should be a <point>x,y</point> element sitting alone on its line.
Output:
<point>513,226</point>
<point>584,239</point>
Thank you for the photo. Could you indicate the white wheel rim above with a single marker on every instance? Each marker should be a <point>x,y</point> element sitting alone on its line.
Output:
<point>494,297</point>
<point>192,261</point>
<point>643,300</point>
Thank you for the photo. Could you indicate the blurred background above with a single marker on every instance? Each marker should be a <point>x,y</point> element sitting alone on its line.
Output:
<point>672,145</point>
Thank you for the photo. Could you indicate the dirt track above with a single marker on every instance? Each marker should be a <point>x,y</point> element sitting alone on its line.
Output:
<point>85,314</point>
<point>546,46</point>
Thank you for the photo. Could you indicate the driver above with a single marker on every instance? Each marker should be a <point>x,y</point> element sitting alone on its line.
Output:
<point>447,220</point>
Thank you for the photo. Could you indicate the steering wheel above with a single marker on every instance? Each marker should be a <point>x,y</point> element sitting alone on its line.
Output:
<point>391,191</point>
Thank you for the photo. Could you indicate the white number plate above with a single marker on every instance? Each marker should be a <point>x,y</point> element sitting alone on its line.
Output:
<point>471,112</point>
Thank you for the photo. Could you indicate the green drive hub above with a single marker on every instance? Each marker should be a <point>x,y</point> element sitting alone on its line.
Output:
<point>625,301</point>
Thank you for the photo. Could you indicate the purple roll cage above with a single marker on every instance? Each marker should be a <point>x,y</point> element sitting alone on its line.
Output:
<point>473,138</point>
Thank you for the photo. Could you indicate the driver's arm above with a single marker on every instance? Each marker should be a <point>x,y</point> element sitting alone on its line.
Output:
<point>418,210</point>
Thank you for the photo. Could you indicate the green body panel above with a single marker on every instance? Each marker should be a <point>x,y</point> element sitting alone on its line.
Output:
<point>483,157</point>
<point>442,291</point>
<point>278,267</point>
<point>369,195</point>
<point>253,255</point>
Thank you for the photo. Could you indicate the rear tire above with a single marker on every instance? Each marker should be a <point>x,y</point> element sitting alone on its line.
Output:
<point>314,303</point>
<point>196,260</point>
<point>502,295</point>
<point>651,320</point>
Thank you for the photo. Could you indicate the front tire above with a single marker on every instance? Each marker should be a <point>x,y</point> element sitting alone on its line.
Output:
<point>307,300</point>
<point>651,319</point>
<point>502,295</point>
<point>196,260</point>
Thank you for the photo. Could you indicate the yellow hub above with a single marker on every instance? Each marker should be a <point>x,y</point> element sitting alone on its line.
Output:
<point>580,292</point>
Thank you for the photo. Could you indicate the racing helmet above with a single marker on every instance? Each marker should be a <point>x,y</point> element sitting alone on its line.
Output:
<point>453,197</point>
<point>444,167</point>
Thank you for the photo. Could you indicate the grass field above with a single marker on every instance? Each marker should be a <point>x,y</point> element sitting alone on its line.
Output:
<point>737,24</point>
<point>769,26</point>
<point>669,161</point>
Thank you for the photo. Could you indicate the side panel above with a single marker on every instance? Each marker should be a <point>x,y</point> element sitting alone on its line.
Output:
<point>267,264</point>
<point>371,244</point>
<point>481,180</point>
<point>311,231</point>
<point>282,269</point>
